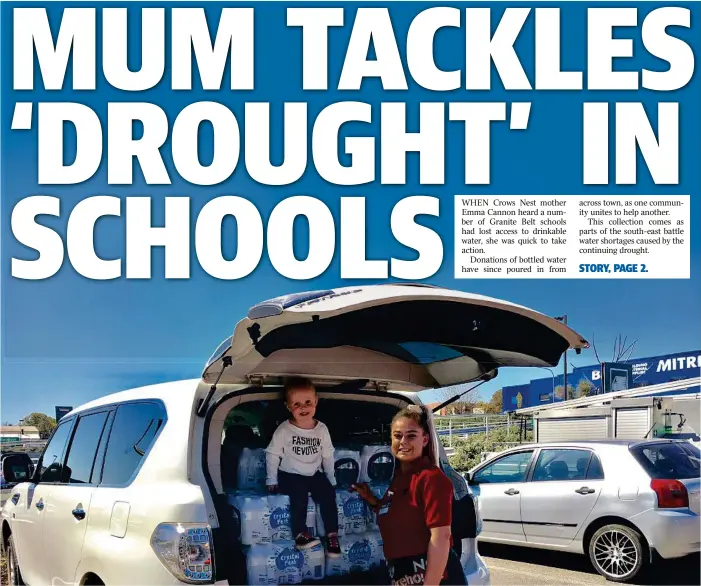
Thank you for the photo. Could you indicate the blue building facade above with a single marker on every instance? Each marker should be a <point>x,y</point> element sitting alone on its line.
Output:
<point>587,380</point>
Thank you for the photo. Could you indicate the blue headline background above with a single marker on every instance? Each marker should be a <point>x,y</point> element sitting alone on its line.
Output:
<point>68,339</point>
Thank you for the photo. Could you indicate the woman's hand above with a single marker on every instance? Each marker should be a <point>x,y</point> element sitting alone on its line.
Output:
<point>365,493</point>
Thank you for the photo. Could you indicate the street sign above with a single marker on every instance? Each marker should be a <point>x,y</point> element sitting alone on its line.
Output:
<point>62,412</point>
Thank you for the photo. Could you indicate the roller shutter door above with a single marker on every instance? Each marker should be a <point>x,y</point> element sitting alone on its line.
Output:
<point>632,423</point>
<point>572,428</point>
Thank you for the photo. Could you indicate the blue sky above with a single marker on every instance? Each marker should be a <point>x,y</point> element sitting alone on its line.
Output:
<point>67,340</point>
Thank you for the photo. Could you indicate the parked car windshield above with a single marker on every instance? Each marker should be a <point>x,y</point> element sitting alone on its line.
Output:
<point>677,461</point>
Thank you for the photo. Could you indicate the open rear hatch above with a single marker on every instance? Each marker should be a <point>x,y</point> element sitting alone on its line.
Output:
<point>394,336</point>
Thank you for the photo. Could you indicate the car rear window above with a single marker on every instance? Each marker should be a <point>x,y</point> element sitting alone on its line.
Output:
<point>134,430</point>
<point>672,461</point>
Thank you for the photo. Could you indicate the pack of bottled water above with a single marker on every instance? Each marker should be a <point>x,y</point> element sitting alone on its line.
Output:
<point>266,518</point>
<point>379,491</point>
<point>281,563</point>
<point>346,467</point>
<point>252,469</point>
<point>352,514</point>
<point>359,553</point>
<point>376,464</point>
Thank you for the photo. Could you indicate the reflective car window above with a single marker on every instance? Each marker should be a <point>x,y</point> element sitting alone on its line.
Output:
<point>81,453</point>
<point>595,471</point>
<point>133,431</point>
<point>563,464</point>
<point>51,469</point>
<point>672,461</point>
<point>511,468</point>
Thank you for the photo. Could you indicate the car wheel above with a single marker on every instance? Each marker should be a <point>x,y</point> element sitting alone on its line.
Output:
<point>13,565</point>
<point>617,552</point>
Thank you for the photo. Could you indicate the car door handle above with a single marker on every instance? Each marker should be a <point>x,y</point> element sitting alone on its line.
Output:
<point>40,504</point>
<point>78,514</point>
<point>585,490</point>
<point>511,491</point>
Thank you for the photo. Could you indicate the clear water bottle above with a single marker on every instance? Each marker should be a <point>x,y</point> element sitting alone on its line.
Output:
<point>359,553</point>
<point>254,514</point>
<point>288,562</point>
<point>378,554</point>
<point>379,491</point>
<point>352,514</point>
<point>314,567</point>
<point>257,566</point>
<point>278,523</point>
<point>252,469</point>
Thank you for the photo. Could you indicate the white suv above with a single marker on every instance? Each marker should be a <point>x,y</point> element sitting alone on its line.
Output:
<point>136,487</point>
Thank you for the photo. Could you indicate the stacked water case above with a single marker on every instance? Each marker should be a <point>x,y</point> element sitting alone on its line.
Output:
<point>359,537</point>
<point>359,553</point>
<point>281,563</point>
<point>266,533</point>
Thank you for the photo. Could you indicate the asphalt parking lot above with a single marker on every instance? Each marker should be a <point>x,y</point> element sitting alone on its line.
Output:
<point>516,566</point>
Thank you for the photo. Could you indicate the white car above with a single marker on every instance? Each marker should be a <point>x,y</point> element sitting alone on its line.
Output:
<point>135,488</point>
<point>621,502</point>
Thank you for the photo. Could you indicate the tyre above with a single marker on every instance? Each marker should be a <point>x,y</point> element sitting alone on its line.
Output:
<point>13,565</point>
<point>617,552</point>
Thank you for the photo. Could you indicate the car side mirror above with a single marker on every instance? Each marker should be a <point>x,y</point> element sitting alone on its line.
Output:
<point>16,468</point>
<point>470,478</point>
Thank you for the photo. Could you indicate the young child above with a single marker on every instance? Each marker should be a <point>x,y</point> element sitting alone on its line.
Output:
<point>301,447</point>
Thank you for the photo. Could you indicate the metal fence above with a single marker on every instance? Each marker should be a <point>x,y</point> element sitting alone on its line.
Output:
<point>451,427</point>
<point>27,445</point>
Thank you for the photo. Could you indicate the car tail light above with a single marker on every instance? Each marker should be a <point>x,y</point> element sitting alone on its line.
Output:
<point>671,494</point>
<point>186,550</point>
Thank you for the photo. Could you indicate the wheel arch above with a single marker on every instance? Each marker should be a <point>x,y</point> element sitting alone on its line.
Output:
<point>596,524</point>
<point>91,579</point>
<point>6,532</point>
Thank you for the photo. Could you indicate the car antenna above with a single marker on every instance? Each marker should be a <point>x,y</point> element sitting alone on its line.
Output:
<point>226,361</point>
<point>487,376</point>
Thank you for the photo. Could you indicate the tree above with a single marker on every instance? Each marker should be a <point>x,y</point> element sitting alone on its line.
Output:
<point>585,388</point>
<point>42,422</point>
<point>560,392</point>
<point>496,403</point>
<point>461,408</point>
<point>621,352</point>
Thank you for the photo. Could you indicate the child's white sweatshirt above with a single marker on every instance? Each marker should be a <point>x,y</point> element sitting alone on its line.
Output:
<point>300,451</point>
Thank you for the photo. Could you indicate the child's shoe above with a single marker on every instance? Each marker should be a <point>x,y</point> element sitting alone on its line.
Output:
<point>333,548</point>
<point>305,541</point>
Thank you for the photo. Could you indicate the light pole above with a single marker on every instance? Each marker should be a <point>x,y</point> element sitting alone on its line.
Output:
<point>563,319</point>
<point>552,374</point>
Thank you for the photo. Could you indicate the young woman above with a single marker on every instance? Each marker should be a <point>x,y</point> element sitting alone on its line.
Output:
<point>415,514</point>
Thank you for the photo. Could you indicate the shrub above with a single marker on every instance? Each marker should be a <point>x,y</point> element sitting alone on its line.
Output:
<point>468,451</point>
